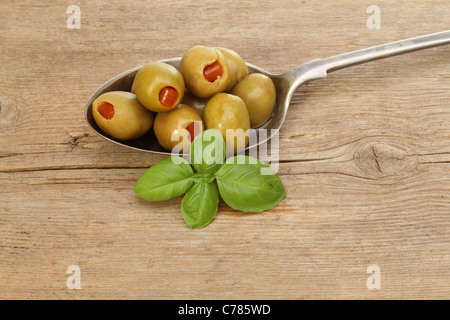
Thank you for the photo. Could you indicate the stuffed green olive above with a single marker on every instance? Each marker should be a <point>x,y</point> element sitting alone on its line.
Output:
<point>258,92</point>
<point>178,127</point>
<point>159,86</point>
<point>205,71</point>
<point>237,67</point>
<point>119,114</point>
<point>228,114</point>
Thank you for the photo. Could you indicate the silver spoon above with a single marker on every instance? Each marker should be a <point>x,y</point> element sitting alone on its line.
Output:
<point>285,83</point>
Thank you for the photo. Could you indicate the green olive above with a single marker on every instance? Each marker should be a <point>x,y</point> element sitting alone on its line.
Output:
<point>159,86</point>
<point>237,66</point>
<point>119,114</point>
<point>180,123</point>
<point>205,71</point>
<point>228,114</point>
<point>258,92</point>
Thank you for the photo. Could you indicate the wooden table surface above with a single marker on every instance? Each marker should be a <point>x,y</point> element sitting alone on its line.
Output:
<point>365,157</point>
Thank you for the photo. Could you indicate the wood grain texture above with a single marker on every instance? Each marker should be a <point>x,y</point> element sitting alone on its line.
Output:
<point>365,157</point>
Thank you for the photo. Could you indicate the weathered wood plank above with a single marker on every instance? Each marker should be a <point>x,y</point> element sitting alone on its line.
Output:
<point>323,236</point>
<point>365,157</point>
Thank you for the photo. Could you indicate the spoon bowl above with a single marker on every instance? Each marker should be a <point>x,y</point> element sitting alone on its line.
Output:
<point>285,84</point>
<point>148,142</point>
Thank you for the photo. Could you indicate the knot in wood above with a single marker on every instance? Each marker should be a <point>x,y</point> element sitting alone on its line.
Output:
<point>9,113</point>
<point>381,159</point>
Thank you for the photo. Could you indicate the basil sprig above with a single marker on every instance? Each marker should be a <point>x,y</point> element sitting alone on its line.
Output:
<point>240,181</point>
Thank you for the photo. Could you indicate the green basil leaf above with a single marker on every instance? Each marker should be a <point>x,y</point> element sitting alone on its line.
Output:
<point>208,151</point>
<point>165,180</point>
<point>200,204</point>
<point>243,187</point>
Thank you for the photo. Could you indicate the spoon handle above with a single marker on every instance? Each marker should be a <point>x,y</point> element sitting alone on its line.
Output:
<point>386,50</point>
<point>321,67</point>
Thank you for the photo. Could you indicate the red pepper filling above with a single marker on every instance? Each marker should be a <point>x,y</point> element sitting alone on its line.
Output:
<point>168,96</point>
<point>191,128</point>
<point>106,109</point>
<point>213,71</point>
